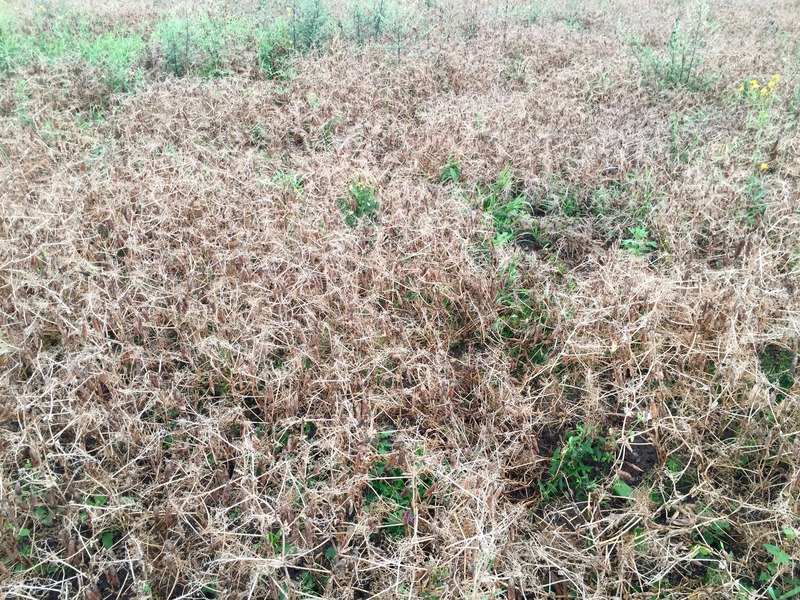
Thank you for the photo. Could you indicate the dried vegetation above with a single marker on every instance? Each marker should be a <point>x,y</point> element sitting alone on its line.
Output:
<point>457,300</point>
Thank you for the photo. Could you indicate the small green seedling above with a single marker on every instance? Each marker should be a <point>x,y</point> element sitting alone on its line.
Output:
<point>451,171</point>
<point>639,242</point>
<point>361,203</point>
<point>780,563</point>
<point>392,486</point>
<point>578,465</point>
<point>504,206</point>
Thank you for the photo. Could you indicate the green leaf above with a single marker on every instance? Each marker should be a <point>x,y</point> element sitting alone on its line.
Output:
<point>43,515</point>
<point>779,556</point>
<point>24,532</point>
<point>98,500</point>
<point>622,489</point>
<point>330,553</point>
<point>108,539</point>
<point>790,593</point>
<point>789,533</point>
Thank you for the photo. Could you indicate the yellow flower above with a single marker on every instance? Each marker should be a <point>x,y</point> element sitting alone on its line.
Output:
<point>771,84</point>
<point>764,90</point>
<point>764,166</point>
<point>776,77</point>
<point>753,83</point>
<point>741,88</point>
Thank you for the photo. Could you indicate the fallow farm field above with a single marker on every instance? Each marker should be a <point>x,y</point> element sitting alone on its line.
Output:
<point>422,299</point>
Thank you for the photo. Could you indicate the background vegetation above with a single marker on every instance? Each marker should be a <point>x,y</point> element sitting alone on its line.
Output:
<point>436,299</point>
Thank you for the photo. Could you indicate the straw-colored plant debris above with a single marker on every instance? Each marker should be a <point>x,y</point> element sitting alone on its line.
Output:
<point>438,299</point>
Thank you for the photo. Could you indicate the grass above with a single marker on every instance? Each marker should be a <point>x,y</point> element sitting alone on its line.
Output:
<point>426,299</point>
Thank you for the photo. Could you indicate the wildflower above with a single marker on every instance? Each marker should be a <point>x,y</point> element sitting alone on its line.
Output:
<point>753,83</point>
<point>776,77</point>
<point>764,166</point>
<point>764,90</point>
<point>741,88</point>
<point>771,84</point>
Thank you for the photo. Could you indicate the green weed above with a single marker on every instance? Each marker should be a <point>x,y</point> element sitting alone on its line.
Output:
<point>505,208</point>
<point>450,171</point>
<point>680,66</point>
<point>309,24</point>
<point>578,466</point>
<point>13,46</point>
<point>392,487</point>
<point>522,317</point>
<point>204,44</point>
<point>755,205</point>
<point>361,203</point>
<point>639,243</point>
<point>777,578</point>
<point>275,47</point>
<point>711,535</point>
<point>115,54</point>
<point>779,365</point>
<point>534,12</point>
<point>368,20</point>
<point>686,136</point>
<point>574,15</point>
<point>290,182</point>
<point>327,131</point>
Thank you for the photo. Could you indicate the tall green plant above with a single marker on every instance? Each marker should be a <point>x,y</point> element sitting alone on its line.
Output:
<point>310,24</point>
<point>680,65</point>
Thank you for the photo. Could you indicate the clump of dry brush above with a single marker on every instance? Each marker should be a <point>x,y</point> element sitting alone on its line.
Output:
<point>482,314</point>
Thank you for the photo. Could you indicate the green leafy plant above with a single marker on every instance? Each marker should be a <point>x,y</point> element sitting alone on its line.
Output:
<point>12,47</point>
<point>505,207</point>
<point>368,20</point>
<point>639,243</point>
<point>275,48</point>
<point>712,533</point>
<point>177,40</point>
<point>686,137</point>
<point>534,12</point>
<point>777,578</point>
<point>309,24</point>
<point>779,366</point>
<point>279,543</point>
<point>22,539</point>
<point>108,537</point>
<point>573,15</point>
<point>202,44</point>
<point>115,53</point>
<point>450,171</point>
<point>680,66</point>
<point>327,131</point>
<point>290,182</point>
<point>578,465</point>
<point>361,203</point>
<point>391,487</point>
<point>755,201</point>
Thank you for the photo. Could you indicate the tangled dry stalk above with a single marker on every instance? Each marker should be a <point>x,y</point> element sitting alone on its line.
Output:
<point>212,386</point>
